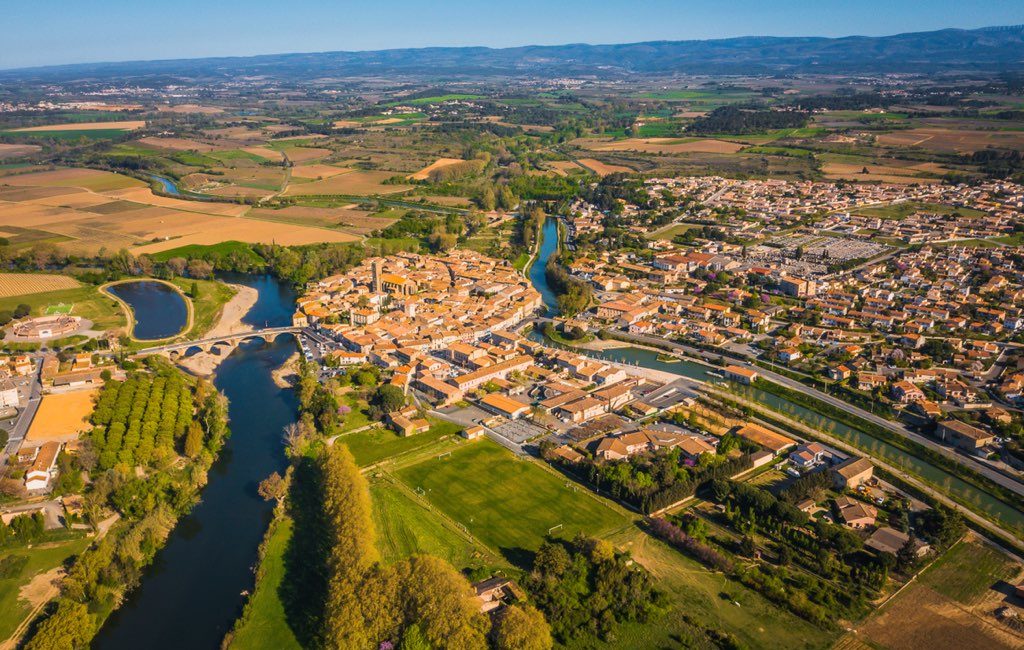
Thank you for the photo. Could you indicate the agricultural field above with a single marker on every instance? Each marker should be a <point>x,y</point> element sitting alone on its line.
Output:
<point>664,145</point>
<point>18,150</point>
<point>424,173</point>
<point>20,284</point>
<point>951,140</point>
<point>128,125</point>
<point>903,210</point>
<point>513,514</point>
<point>953,600</point>
<point>356,183</point>
<point>603,169</point>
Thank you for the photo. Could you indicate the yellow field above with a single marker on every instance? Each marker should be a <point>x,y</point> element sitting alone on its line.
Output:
<point>318,171</point>
<point>356,182</point>
<point>881,173</point>
<point>302,154</point>
<point>264,152</point>
<point>23,284</point>
<point>129,125</point>
<point>563,167</point>
<point>665,145</point>
<point>61,417</point>
<point>135,218</point>
<point>424,173</point>
<point>187,109</point>
<point>602,169</point>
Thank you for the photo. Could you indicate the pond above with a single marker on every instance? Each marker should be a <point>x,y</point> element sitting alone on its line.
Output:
<point>159,310</point>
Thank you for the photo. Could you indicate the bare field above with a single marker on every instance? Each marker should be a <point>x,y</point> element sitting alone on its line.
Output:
<point>62,416</point>
<point>602,169</point>
<point>357,182</point>
<point>919,616</point>
<point>302,154</point>
<point>665,145</point>
<point>882,173</point>
<point>190,109</point>
<point>424,173</point>
<point>264,152</point>
<point>145,195</point>
<point>238,190</point>
<point>18,150</point>
<point>23,284</point>
<point>563,167</point>
<point>950,140</point>
<point>219,229</point>
<point>176,144</point>
<point>317,172</point>
<point>128,125</point>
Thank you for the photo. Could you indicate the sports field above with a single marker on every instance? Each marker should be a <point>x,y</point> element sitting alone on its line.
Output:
<point>377,444</point>
<point>510,505</point>
<point>62,416</point>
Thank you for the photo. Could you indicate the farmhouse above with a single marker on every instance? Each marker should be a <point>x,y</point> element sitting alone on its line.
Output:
<point>854,513</point>
<point>852,473</point>
<point>43,467</point>
<point>889,540</point>
<point>963,435</point>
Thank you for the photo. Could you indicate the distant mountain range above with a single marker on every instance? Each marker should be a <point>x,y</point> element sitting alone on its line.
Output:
<point>992,49</point>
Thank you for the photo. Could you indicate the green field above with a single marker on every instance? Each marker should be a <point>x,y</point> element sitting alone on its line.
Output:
<point>671,232</point>
<point>967,570</point>
<point>211,251</point>
<point>508,504</point>
<point>903,210</point>
<point>41,558</point>
<point>92,134</point>
<point>405,527</point>
<point>88,302</point>
<point>374,445</point>
<point>780,151</point>
<point>207,306</point>
<point>265,624</point>
<point>709,598</point>
<point>59,308</point>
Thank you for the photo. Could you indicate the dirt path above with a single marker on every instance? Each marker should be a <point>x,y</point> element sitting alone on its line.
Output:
<point>40,590</point>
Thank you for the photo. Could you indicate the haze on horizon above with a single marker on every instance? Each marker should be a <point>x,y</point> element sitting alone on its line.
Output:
<point>53,32</point>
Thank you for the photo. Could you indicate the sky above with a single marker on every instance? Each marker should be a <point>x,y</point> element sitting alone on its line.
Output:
<point>45,32</point>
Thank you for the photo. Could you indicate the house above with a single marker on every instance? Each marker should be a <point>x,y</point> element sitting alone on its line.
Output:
<point>808,455</point>
<point>852,473</point>
<point>407,422</point>
<point>856,514</point>
<point>504,406</point>
<point>473,433</point>
<point>905,392</point>
<point>890,540</point>
<point>43,465</point>
<point>8,393</point>
<point>773,442</point>
<point>963,435</point>
<point>494,593</point>
<point>740,375</point>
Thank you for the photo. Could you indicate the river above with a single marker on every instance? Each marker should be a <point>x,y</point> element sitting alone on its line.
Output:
<point>159,310</point>
<point>979,500</point>
<point>191,595</point>
<point>168,185</point>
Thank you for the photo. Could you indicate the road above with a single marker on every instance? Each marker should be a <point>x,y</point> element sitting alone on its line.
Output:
<point>28,412</point>
<point>997,477</point>
<point>184,345</point>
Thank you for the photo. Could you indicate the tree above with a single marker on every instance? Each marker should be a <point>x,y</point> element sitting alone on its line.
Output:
<point>386,399</point>
<point>193,291</point>
<point>71,626</point>
<point>194,440</point>
<point>274,487</point>
<point>441,601</point>
<point>22,310</point>
<point>522,628</point>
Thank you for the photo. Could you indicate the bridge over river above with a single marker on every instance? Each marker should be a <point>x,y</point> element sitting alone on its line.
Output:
<point>227,342</point>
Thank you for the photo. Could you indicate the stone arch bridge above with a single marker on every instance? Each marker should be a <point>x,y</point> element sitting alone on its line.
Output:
<point>218,344</point>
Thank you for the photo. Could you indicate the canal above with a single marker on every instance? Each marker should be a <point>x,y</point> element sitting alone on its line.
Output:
<point>978,500</point>
<point>192,594</point>
<point>538,275</point>
<point>159,310</point>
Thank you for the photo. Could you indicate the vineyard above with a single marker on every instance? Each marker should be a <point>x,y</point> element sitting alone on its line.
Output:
<point>140,420</point>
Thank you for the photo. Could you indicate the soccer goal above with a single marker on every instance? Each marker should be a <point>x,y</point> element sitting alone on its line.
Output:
<point>444,454</point>
<point>554,528</point>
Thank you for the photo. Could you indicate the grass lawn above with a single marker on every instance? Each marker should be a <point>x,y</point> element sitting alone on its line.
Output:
<point>41,558</point>
<point>265,624</point>
<point>208,305</point>
<point>405,527</point>
<point>902,210</point>
<point>88,302</point>
<point>374,445</point>
<point>520,262</point>
<point>967,570</point>
<point>359,415</point>
<point>709,598</point>
<point>508,504</point>
<point>671,231</point>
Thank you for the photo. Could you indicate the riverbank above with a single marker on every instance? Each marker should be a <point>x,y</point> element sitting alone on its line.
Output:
<point>287,373</point>
<point>230,320</point>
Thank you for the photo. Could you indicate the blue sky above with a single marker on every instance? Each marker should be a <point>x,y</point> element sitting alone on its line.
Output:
<point>42,32</point>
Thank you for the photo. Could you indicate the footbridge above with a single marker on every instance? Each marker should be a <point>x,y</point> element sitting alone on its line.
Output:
<point>218,344</point>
